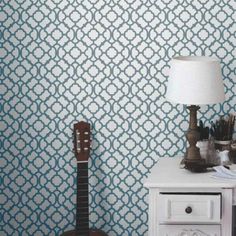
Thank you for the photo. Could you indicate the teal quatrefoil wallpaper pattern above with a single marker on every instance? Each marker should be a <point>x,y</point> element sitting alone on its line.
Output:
<point>105,62</point>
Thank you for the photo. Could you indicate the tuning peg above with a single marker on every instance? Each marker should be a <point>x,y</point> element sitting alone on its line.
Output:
<point>85,148</point>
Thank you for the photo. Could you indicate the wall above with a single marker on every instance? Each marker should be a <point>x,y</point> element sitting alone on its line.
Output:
<point>105,62</point>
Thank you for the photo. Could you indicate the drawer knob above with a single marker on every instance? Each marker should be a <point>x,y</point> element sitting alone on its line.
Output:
<point>188,210</point>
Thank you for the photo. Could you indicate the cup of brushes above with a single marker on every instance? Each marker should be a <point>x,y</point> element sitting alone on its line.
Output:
<point>218,137</point>
<point>222,131</point>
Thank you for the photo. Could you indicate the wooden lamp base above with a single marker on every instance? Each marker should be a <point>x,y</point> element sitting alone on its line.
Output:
<point>193,160</point>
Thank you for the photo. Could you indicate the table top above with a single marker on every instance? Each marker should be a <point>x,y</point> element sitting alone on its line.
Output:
<point>168,174</point>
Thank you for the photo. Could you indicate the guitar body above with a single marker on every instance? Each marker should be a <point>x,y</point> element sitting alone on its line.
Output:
<point>82,148</point>
<point>92,232</point>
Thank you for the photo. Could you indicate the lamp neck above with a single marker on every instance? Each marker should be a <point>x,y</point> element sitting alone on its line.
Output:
<point>193,116</point>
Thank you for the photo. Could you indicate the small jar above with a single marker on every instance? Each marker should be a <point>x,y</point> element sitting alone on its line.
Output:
<point>222,151</point>
<point>233,152</point>
<point>204,149</point>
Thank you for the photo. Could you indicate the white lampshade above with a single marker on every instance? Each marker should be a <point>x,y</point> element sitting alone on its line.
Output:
<point>195,80</point>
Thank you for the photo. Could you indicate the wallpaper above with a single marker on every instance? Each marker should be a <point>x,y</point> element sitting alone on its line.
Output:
<point>105,62</point>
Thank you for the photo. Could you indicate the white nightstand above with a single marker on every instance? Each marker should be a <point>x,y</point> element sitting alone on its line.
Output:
<point>182,203</point>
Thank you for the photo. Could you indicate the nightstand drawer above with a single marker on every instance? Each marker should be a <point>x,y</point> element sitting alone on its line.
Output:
<point>189,208</point>
<point>190,230</point>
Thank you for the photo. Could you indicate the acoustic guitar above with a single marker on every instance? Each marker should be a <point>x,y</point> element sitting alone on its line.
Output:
<point>82,143</point>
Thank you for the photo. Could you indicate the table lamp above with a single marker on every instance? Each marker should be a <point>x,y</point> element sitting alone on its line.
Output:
<point>194,81</point>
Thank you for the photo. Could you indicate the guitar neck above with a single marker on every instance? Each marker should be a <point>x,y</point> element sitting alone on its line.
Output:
<point>82,211</point>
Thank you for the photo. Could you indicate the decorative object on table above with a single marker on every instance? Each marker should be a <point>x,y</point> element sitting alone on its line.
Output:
<point>222,131</point>
<point>233,152</point>
<point>204,131</point>
<point>223,157</point>
<point>204,148</point>
<point>204,143</point>
<point>195,81</point>
<point>82,148</point>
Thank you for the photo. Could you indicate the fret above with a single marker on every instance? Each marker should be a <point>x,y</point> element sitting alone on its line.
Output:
<point>82,180</point>
<point>82,187</point>
<point>83,173</point>
<point>82,193</point>
<point>83,203</point>
<point>83,165</point>
<point>82,219</point>
<point>82,206</point>
<point>83,225</point>
<point>82,197</point>
<point>82,214</point>
<point>82,176</point>
<point>83,222</point>
<point>83,184</point>
<point>83,210</point>
<point>83,200</point>
<point>83,190</point>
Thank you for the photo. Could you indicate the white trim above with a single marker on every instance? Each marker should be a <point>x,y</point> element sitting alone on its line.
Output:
<point>227,196</point>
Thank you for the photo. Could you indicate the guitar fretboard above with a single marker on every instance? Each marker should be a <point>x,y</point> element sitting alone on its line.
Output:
<point>82,212</point>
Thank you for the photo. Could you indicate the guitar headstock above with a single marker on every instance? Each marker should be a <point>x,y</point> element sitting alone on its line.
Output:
<point>82,141</point>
